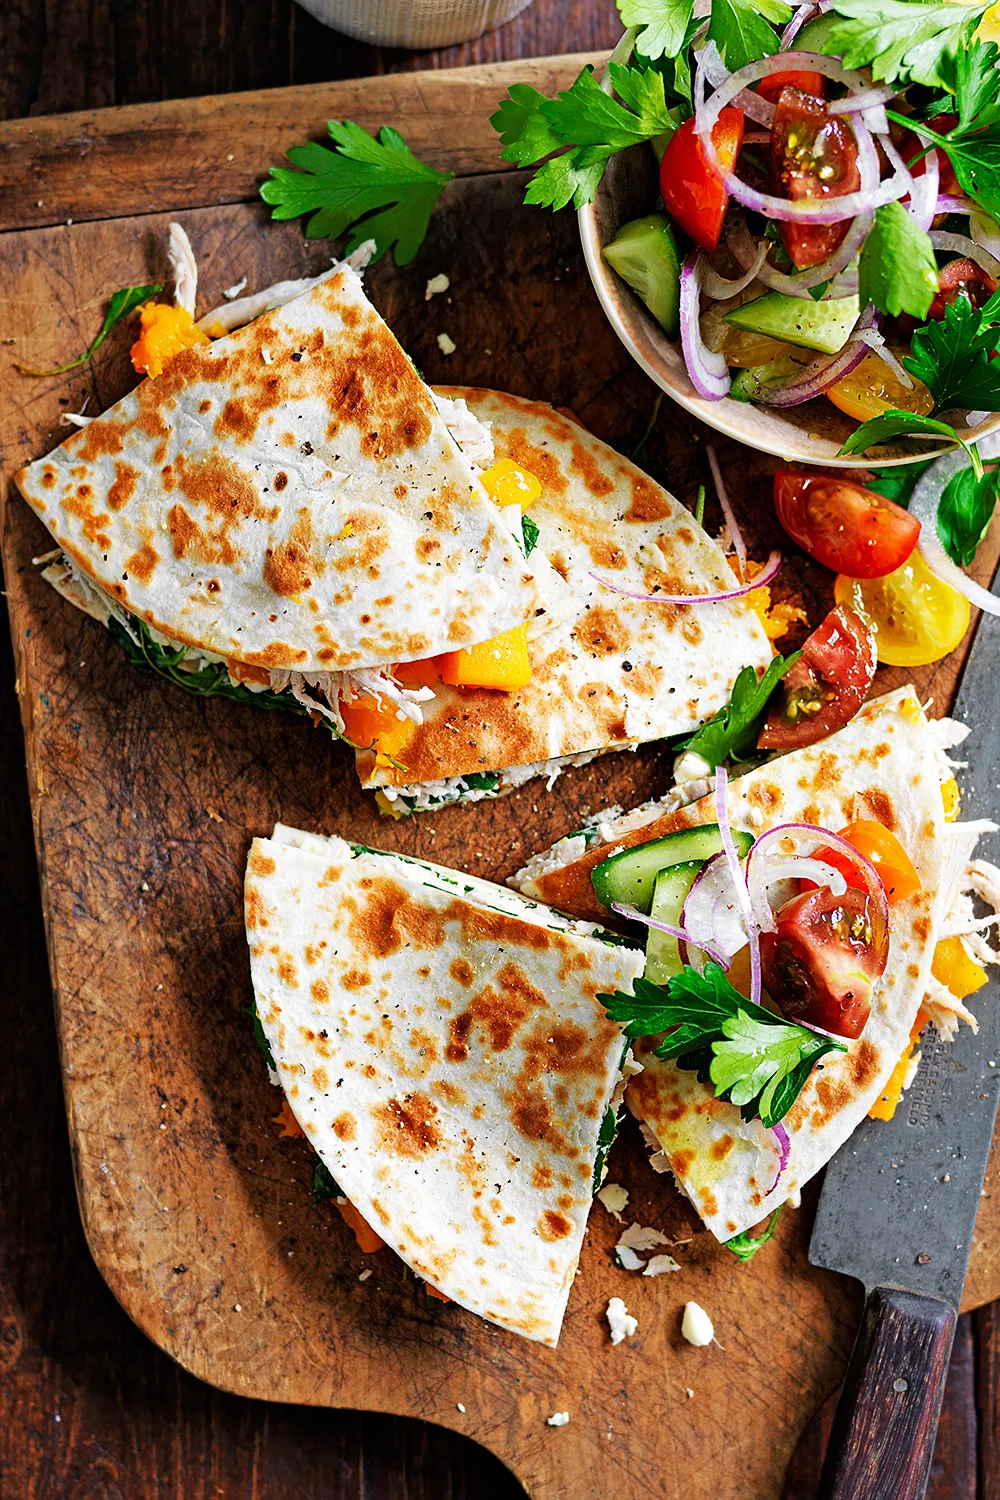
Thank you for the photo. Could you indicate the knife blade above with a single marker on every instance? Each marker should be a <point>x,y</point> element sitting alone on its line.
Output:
<point>900,1198</point>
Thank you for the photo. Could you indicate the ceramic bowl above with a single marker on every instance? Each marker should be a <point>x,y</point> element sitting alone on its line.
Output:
<point>811,433</point>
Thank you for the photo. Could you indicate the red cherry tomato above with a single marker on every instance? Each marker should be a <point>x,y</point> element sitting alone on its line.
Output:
<point>822,963</point>
<point>691,192</point>
<point>960,276</point>
<point>813,155</point>
<point>910,147</point>
<point>843,526</point>
<point>809,83</point>
<point>826,686</point>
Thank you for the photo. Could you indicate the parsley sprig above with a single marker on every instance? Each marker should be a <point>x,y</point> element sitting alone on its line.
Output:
<point>732,732</point>
<point>755,1059</point>
<point>966,510</point>
<point>375,187</point>
<point>123,302</point>
<point>903,41</point>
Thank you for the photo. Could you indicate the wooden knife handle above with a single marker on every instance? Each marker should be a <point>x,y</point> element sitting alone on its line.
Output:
<point>883,1433</point>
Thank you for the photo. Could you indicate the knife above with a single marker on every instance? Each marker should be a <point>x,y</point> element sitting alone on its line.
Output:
<point>900,1198</point>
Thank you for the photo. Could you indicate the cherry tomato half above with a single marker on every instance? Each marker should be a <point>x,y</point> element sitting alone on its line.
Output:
<point>843,526</point>
<point>691,192</point>
<point>826,686</point>
<point>872,388</point>
<point>960,276</point>
<point>822,963</point>
<point>807,83</point>
<point>813,155</point>
<point>914,616</point>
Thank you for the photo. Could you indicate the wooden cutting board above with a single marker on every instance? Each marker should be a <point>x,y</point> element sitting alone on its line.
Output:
<point>200,1216</point>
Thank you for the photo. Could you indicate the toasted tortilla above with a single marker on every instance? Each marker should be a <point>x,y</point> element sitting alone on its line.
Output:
<point>610,672</point>
<point>885,766</point>
<point>288,497</point>
<point>440,1041</point>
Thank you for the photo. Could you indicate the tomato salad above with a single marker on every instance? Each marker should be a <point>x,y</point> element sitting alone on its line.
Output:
<point>824,234</point>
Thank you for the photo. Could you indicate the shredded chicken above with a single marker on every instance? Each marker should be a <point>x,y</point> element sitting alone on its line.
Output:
<point>183,268</point>
<point>472,436</point>
<point>975,878</point>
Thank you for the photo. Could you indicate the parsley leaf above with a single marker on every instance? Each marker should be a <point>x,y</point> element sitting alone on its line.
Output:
<point>965,511</point>
<point>891,424</point>
<point>122,303</point>
<point>263,1046</point>
<point>745,1246</point>
<point>740,31</point>
<point>734,729</point>
<point>661,25</point>
<point>898,270</point>
<point>377,186</point>
<point>975,155</point>
<point>757,1060</point>
<point>593,124</point>
<point>324,1183</point>
<point>951,355</point>
<point>976,84</point>
<point>529,532</point>
<point>605,1140</point>
<point>902,41</point>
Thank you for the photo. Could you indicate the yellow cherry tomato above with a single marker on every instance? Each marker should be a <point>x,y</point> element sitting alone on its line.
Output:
<point>873,388</point>
<point>507,483</point>
<point>916,617</point>
<point>989,26</point>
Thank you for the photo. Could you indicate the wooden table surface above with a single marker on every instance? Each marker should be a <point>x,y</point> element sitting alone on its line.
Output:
<point>88,1408</point>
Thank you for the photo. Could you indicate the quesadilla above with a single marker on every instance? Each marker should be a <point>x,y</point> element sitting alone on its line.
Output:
<point>884,771</point>
<point>440,1042</point>
<point>605,671</point>
<point>286,502</point>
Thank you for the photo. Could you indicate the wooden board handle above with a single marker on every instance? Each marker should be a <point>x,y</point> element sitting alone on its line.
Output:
<point>883,1433</point>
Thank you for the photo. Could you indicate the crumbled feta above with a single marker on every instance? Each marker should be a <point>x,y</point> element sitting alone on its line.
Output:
<point>659,1265</point>
<point>436,286</point>
<point>690,766</point>
<point>364,1275</point>
<point>558,1419</point>
<point>627,1259</point>
<point>460,1407</point>
<point>696,1326</point>
<point>614,1198</point>
<point>446,344</point>
<point>232,292</point>
<point>620,1321</point>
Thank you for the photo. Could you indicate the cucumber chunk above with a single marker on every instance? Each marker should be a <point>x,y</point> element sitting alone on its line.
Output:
<point>629,876</point>
<point>824,326</point>
<point>750,384</point>
<point>644,253</point>
<point>663,959</point>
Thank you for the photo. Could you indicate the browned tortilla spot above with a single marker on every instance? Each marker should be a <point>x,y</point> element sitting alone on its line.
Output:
<point>405,1127</point>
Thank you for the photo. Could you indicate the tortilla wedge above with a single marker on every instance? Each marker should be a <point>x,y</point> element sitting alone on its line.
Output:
<point>608,672</point>
<point>287,498</point>
<point>887,766</point>
<point>440,1042</point>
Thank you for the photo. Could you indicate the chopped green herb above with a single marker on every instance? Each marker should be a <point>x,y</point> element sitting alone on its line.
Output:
<point>529,531</point>
<point>375,187</point>
<point>605,1140</point>
<point>745,1246</point>
<point>699,506</point>
<point>753,1058</point>
<point>324,1185</point>
<point>897,270</point>
<point>122,303</point>
<point>732,732</point>
<point>263,1047</point>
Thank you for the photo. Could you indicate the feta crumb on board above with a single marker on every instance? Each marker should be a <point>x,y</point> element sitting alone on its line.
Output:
<point>659,1265</point>
<point>642,1237</point>
<point>620,1320</point>
<point>446,344</point>
<point>436,285</point>
<point>614,1198</point>
<point>696,1326</point>
<point>460,1407</point>
<point>558,1419</point>
<point>627,1258</point>
<point>232,292</point>
<point>364,1275</point>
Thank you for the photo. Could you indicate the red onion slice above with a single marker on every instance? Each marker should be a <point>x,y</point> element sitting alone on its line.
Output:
<point>709,372</point>
<point>962,245</point>
<point>711,914</point>
<point>804,210</point>
<point>735,534</point>
<point>802,15</point>
<point>758,863</point>
<point>921,191</point>
<point>683,937</point>
<point>715,72</point>
<point>740,242</point>
<point>954,203</point>
<point>767,572</point>
<point>924,504</point>
<point>784,1152</point>
<point>877,345</point>
<point>857,103</point>
<point>720,287</point>
<point>984,230</point>
<point>739,880</point>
